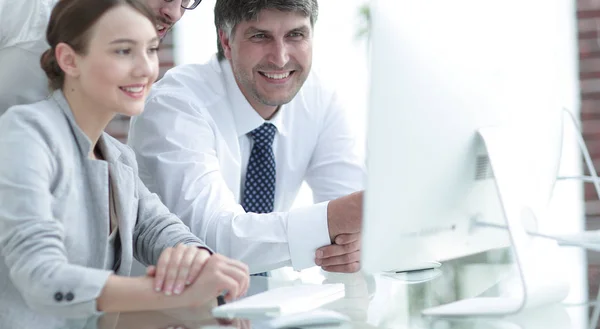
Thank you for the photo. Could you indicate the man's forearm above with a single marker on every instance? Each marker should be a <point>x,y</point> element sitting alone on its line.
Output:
<point>344,215</point>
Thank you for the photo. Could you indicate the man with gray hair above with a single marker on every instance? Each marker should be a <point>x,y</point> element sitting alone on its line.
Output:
<point>228,144</point>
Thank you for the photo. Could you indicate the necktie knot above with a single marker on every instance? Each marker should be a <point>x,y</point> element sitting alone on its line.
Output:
<point>264,135</point>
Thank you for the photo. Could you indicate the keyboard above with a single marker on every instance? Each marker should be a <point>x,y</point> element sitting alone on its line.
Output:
<point>281,301</point>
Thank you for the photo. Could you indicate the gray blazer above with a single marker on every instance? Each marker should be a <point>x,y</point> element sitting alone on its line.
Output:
<point>54,216</point>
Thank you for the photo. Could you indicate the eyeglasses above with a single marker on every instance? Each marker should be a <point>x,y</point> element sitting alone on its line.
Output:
<point>188,4</point>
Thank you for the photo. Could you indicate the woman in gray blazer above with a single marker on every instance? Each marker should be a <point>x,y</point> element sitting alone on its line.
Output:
<point>73,212</point>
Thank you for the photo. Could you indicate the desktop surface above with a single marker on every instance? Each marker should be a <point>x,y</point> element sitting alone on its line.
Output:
<point>379,301</point>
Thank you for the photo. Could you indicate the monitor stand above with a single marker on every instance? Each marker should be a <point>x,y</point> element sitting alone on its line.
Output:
<point>417,273</point>
<point>431,265</point>
<point>537,284</point>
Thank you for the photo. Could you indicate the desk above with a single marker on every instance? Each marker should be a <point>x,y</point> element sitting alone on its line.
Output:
<point>381,301</point>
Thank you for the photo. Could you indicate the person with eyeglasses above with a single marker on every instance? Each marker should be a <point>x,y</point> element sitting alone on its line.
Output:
<point>23,40</point>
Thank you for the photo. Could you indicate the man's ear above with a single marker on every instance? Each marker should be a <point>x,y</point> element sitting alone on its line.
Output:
<point>67,59</point>
<point>224,39</point>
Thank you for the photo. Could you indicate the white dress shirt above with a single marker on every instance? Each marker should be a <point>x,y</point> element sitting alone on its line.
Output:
<point>22,42</point>
<point>193,147</point>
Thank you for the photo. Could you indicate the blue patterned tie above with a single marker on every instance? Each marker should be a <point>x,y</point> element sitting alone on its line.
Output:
<point>259,188</point>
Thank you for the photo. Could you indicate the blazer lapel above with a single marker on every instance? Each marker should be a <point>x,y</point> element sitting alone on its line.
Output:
<point>123,183</point>
<point>122,179</point>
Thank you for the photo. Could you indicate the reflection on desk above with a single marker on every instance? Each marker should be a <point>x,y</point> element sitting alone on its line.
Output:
<point>379,301</point>
<point>551,317</point>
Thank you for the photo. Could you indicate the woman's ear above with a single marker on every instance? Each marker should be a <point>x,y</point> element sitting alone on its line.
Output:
<point>67,59</point>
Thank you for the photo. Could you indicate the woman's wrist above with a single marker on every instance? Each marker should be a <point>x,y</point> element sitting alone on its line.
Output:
<point>127,294</point>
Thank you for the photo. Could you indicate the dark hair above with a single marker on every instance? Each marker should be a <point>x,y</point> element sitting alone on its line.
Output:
<point>70,23</point>
<point>229,13</point>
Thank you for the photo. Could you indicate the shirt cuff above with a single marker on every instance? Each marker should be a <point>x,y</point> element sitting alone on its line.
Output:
<point>307,231</point>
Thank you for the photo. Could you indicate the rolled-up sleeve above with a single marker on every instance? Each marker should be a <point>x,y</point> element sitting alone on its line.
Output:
<point>31,239</point>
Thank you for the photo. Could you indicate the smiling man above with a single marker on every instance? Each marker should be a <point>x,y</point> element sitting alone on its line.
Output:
<point>228,144</point>
<point>23,40</point>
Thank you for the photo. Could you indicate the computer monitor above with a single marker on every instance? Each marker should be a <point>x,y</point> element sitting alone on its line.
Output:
<point>465,126</point>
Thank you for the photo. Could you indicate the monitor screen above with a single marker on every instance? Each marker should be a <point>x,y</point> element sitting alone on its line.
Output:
<point>441,71</point>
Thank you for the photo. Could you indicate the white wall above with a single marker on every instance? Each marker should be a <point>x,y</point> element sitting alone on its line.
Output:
<point>568,202</point>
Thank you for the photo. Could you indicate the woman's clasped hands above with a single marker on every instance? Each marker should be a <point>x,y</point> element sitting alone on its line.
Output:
<point>189,268</point>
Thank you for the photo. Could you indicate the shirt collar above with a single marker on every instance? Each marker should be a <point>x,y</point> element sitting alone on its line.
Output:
<point>246,118</point>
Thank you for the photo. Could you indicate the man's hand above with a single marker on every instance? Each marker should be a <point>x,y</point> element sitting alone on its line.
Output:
<point>343,256</point>
<point>344,215</point>
<point>344,221</point>
<point>177,267</point>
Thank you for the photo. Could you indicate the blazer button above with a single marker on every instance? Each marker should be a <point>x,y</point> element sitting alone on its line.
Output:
<point>69,296</point>
<point>58,296</point>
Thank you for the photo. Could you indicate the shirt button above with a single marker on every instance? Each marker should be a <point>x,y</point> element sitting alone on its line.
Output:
<point>58,296</point>
<point>69,296</point>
